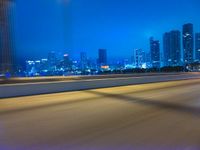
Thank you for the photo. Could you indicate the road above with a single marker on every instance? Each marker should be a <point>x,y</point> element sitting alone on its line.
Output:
<point>92,82</point>
<point>156,116</point>
<point>29,80</point>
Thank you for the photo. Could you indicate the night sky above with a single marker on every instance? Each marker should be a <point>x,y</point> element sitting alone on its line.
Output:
<point>87,25</point>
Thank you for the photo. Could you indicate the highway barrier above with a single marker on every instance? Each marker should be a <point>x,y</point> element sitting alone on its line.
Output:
<point>26,89</point>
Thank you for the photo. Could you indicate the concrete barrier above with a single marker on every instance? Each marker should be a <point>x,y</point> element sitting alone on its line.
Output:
<point>7,91</point>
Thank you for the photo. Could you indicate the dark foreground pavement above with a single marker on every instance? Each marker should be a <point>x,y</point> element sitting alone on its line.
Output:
<point>157,116</point>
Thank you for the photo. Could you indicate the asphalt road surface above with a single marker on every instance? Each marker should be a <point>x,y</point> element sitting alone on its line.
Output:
<point>157,116</point>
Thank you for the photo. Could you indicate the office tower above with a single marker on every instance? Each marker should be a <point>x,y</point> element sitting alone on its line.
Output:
<point>161,59</point>
<point>188,43</point>
<point>67,64</point>
<point>175,45</point>
<point>148,57</point>
<point>139,58</point>
<point>44,65</point>
<point>52,61</point>
<point>102,60</point>
<point>144,55</point>
<point>38,66</point>
<point>83,61</point>
<point>197,46</point>
<point>166,49</point>
<point>155,52</point>
<point>172,48</point>
<point>52,58</point>
<point>6,45</point>
<point>33,68</point>
<point>133,58</point>
<point>30,68</point>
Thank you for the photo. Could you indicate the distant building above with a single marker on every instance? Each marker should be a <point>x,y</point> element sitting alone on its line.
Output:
<point>133,58</point>
<point>139,58</point>
<point>38,66</point>
<point>155,52</point>
<point>188,43</point>
<point>52,58</point>
<point>172,48</point>
<point>33,68</point>
<point>197,46</point>
<point>30,68</point>
<point>67,63</point>
<point>52,61</point>
<point>44,65</point>
<point>144,59</point>
<point>83,61</point>
<point>176,48</point>
<point>167,49</point>
<point>148,59</point>
<point>102,59</point>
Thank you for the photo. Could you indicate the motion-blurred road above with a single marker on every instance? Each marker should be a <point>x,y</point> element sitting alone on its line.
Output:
<point>157,116</point>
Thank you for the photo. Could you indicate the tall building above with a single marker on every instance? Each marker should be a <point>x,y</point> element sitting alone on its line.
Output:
<point>102,60</point>
<point>139,58</point>
<point>148,59</point>
<point>188,43</point>
<point>67,64</point>
<point>133,58</point>
<point>6,45</point>
<point>44,65</point>
<point>83,61</point>
<point>155,52</point>
<point>172,48</point>
<point>52,61</point>
<point>166,49</point>
<point>197,47</point>
<point>52,58</point>
<point>175,47</point>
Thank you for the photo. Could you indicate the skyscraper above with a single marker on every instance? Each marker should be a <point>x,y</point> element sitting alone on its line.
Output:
<point>133,58</point>
<point>139,58</point>
<point>6,54</point>
<point>166,49</point>
<point>83,61</point>
<point>52,59</point>
<point>197,46</point>
<point>67,64</point>
<point>175,47</point>
<point>172,48</point>
<point>188,43</point>
<point>155,52</point>
<point>102,60</point>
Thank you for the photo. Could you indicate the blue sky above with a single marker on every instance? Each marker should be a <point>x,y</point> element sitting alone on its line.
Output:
<point>86,25</point>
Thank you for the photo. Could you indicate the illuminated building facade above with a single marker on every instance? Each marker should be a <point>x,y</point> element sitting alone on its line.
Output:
<point>188,43</point>
<point>197,46</point>
<point>155,52</point>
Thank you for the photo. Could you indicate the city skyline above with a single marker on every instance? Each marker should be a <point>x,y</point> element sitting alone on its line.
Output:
<point>172,48</point>
<point>180,49</point>
<point>116,26</point>
<point>173,35</point>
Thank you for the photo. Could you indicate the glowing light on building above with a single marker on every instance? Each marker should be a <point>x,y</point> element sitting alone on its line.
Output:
<point>66,55</point>
<point>105,67</point>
